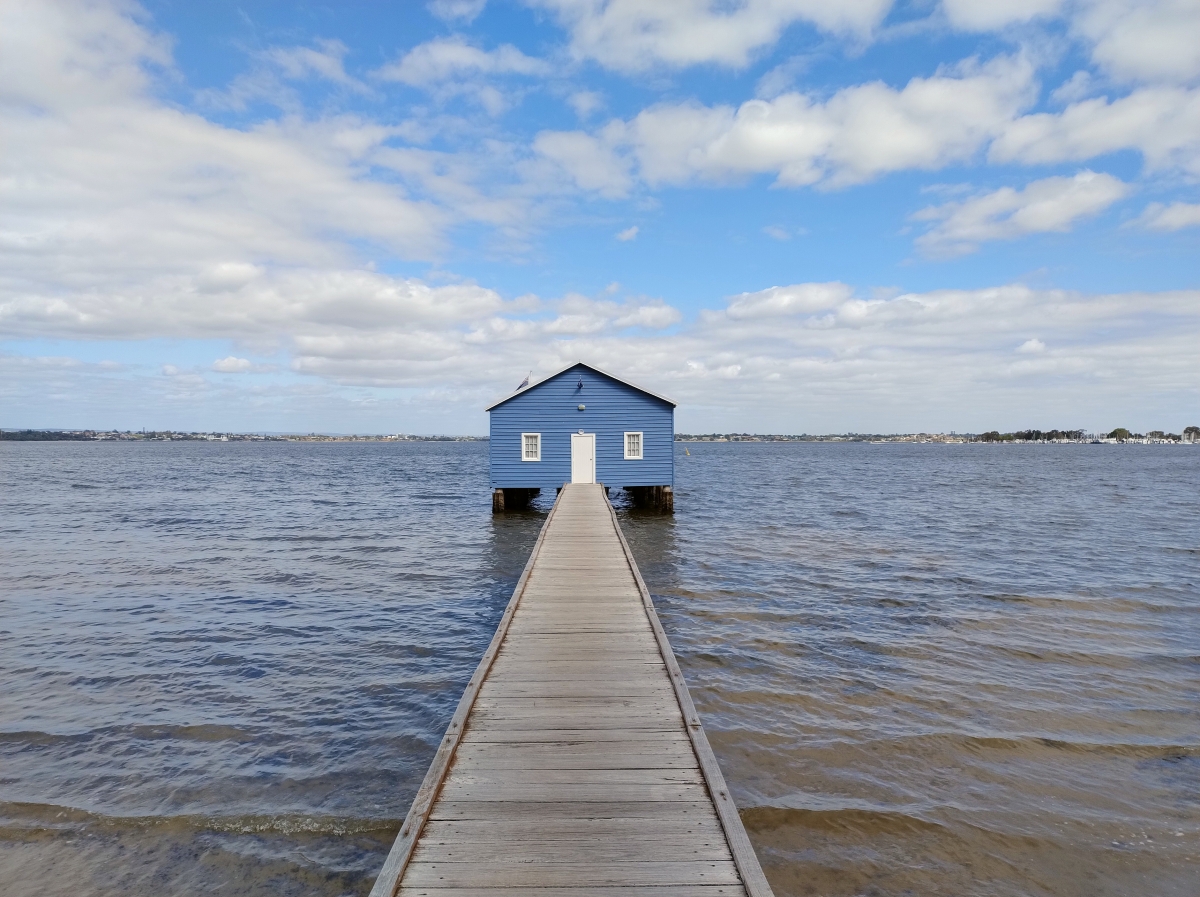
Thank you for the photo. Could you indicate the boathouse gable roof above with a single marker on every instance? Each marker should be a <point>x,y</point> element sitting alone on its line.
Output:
<point>571,367</point>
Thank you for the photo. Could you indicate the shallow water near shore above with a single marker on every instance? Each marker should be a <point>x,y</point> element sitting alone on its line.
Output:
<point>925,669</point>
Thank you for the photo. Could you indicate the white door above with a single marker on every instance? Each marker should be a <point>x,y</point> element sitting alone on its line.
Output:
<point>583,457</point>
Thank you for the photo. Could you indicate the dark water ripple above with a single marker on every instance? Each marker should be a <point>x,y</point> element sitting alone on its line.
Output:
<point>925,669</point>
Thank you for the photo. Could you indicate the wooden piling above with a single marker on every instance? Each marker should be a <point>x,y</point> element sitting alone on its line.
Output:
<point>654,498</point>
<point>512,499</point>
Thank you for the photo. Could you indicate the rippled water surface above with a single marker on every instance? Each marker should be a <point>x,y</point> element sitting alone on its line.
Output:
<point>925,669</point>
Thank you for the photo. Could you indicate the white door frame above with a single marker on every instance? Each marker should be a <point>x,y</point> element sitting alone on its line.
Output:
<point>584,439</point>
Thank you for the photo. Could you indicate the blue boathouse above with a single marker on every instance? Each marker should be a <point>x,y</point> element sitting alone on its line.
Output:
<point>582,425</point>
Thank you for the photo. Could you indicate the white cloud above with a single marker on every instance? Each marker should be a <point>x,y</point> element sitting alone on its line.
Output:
<point>104,188</point>
<point>457,10</point>
<point>115,206</point>
<point>651,316</point>
<point>1133,40</point>
<point>453,181</point>
<point>782,78</point>
<point>269,79</point>
<point>325,60</point>
<point>630,233</point>
<point>452,58</point>
<point>1162,123</point>
<point>1048,205</point>
<point>633,35</point>
<point>232,365</point>
<point>226,276</point>
<point>799,299</point>
<point>586,102</point>
<point>1176,216</point>
<point>452,67</point>
<point>854,136</point>
<point>775,232</point>
<point>279,304</point>
<point>812,357</point>
<point>987,15</point>
<point>892,360</point>
<point>590,162</point>
<point>1143,40</point>
<point>1075,88</point>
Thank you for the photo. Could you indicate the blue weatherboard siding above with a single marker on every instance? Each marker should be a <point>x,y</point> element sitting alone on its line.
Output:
<point>612,408</point>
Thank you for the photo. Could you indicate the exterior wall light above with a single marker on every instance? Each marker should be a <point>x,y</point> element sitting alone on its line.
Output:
<point>581,407</point>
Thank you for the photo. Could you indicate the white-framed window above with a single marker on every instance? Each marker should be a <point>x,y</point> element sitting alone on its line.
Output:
<point>633,446</point>
<point>531,446</point>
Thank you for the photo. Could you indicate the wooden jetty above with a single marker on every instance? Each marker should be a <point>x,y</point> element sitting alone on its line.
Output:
<point>575,765</point>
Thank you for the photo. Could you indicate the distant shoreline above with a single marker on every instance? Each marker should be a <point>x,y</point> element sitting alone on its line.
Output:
<point>1027,437</point>
<point>13,435</point>
<point>945,438</point>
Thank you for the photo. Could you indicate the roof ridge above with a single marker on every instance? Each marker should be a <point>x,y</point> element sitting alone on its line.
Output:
<point>590,367</point>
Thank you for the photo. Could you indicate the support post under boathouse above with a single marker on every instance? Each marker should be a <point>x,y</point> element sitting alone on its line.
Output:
<point>582,425</point>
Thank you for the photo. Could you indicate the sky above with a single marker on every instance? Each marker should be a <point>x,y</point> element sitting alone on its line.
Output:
<point>791,216</point>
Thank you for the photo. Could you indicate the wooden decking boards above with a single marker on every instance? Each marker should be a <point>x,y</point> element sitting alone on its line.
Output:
<point>575,764</point>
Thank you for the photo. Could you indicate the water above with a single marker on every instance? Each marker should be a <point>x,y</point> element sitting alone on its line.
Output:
<point>924,669</point>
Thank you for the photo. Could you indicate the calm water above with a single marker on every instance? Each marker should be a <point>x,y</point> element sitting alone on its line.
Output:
<point>969,670</point>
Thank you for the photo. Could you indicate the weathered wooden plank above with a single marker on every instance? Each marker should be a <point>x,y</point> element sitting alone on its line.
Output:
<point>531,648</point>
<point>574,688</point>
<point>567,629</point>
<point>517,874</point>
<point>572,729</point>
<point>579,675</point>
<point>515,706</point>
<point>485,831</point>
<point>466,773</point>
<point>578,683</point>
<point>569,620</point>
<point>625,658</point>
<point>519,671</point>
<point>644,754</point>
<point>622,635</point>
<point>618,891</point>
<point>515,811</point>
<point>589,614</point>
<point>688,848</point>
<point>571,793</point>
<point>556,665</point>
<point>661,721</point>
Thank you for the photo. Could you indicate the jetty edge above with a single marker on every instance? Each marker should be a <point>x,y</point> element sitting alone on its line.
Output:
<point>575,763</point>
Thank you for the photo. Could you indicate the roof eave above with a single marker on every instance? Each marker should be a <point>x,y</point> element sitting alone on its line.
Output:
<point>590,367</point>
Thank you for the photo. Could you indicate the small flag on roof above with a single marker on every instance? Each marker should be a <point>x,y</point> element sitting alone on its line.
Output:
<point>525,382</point>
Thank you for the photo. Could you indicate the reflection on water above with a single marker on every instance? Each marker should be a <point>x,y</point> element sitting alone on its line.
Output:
<point>925,669</point>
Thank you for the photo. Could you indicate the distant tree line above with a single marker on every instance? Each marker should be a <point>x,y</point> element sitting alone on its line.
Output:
<point>1030,435</point>
<point>1189,433</point>
<point>45,436</point>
